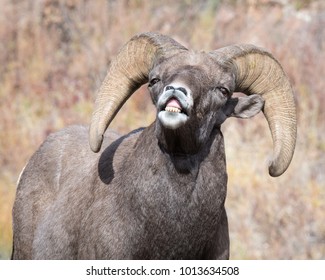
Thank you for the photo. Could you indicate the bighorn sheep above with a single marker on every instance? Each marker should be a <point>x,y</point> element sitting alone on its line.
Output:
<point>157,192</point>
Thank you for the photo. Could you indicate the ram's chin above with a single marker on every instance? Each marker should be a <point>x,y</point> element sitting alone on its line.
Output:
<point>172,120</point>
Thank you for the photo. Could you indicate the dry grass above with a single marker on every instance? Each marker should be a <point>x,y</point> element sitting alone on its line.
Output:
<point>54,54</point>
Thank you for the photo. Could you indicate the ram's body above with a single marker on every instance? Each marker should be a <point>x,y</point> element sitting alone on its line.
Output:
<point>158,192</point>
<point>119,204</point>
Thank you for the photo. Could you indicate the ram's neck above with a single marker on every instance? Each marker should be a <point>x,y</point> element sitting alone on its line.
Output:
<point>178,142</point>
<point>179,149</point>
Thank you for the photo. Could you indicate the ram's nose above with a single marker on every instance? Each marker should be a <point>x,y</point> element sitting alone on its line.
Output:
<point>175,88</point>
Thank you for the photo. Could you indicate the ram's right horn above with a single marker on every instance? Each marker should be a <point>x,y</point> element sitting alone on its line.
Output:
<point>127,72</point>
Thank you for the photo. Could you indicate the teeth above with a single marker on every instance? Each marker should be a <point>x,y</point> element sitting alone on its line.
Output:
<point>172,109</point>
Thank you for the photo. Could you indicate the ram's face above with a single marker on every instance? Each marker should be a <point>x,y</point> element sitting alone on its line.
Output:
<point>190,87</point>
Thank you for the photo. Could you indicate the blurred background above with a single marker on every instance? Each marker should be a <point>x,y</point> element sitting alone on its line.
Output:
<point>55,53</point>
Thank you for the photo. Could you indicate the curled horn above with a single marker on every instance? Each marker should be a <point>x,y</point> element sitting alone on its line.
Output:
<point>258,72</point>
<point>127,72</point>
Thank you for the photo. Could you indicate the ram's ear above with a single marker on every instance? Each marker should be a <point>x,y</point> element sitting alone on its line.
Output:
<point>244,107</point>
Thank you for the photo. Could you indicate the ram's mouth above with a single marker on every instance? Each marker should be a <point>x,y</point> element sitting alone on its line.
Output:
<point>174,106</point>
<point>173,113</point>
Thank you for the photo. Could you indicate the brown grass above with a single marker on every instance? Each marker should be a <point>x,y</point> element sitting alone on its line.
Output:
<point>54,55</point>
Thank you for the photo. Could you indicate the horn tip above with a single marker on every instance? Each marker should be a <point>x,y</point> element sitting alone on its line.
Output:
<point>276,169</point>
<point>95,142</point>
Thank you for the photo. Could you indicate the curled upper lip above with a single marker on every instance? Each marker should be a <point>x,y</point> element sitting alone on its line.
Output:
<point>173,94</point>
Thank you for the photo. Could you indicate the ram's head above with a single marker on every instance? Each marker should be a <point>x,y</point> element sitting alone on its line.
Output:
<point>192,91</point>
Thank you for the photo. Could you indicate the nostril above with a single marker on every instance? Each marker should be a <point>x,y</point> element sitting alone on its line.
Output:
<point>169,88</point>
<point>182,90</point>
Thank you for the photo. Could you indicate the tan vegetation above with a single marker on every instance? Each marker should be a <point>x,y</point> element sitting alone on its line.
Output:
<point>54,55</point>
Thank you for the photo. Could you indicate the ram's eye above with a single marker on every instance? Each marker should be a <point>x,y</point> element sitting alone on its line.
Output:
<point>153,81</point>
<point>225,92</point>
